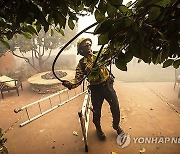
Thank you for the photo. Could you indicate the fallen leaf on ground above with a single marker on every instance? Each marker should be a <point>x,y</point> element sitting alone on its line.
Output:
<point>113,153</point>
<point>142,150</point>
<point>123,117</point>
<point>75,133</point>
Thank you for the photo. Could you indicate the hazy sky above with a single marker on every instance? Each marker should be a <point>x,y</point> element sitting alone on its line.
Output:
<point>84,22</point>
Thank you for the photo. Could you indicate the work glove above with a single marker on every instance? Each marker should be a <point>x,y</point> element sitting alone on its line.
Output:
<point>67,84</point>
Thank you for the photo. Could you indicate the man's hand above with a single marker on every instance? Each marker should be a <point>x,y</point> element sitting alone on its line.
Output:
<point>67,84</point>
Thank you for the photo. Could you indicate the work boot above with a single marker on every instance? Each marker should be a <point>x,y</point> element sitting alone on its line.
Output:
<point>119,130</point>
<point>100,133</point>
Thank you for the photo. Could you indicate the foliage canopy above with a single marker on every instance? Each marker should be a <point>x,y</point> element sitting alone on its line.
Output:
<point>146,29</point>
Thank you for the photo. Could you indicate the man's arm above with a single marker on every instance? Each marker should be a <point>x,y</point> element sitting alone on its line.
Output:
<point>77,80</point>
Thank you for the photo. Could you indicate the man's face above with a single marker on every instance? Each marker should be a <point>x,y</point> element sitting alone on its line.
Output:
<point>86,48</point>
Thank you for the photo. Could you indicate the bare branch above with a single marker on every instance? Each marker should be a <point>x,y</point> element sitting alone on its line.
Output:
<point>32,54</point>
<point>39,53</point>
<point>37,57</point>
<point>43,48</point>
<point>48,55</point>
<point>23,54</point>
<point>26,60</point>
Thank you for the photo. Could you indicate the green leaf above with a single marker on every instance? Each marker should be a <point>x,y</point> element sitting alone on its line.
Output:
<point>9,35</point>
<point>94,75</point>
<point>104,26</point>
<point>111,10</point>
<point>121,64</point>
<point>103,39</point>
<point>121,56</point>
<point>132,34</point>
<point>32,29</point>
<point>145,55</point>
<point>156,57</point>
<point>6,44</point>
<point>139,60</point>
<point>176,63</point>
<point>99,16</point>
<point>71,24</point>
<point>64,7</point>
<point>115,2</point>
<point>55,18</point>
<point>62,32</point>
<point>52,32</point>
<point>128,56</point>
<point>144,3</point>
<point>2,22</point>
<point>77,2</point>
<point>119,27</point>
<point>61,20</point>
<point>162,36</point>
<point>81,7</point>
<point>168,62</point>
<point>73,16</point>
<point>115,29</point>
<point>135,47</point>
<point>164,3</point>
<point>94,2</point>
<point>154,13</point>
<point>22,12</point>
<point>88,2</point>
<point>123,9</point>
<point>26,34</point>
<point>46,27</point>
<point>38,27</point>
<point>40,16</point>
<point>129,3</point>
<point>102,7</point>
<point>174,45</point>
<point>178,6</point>
<point>50,19</point>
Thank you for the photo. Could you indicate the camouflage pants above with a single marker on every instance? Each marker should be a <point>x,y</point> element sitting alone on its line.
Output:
<point>98,94</point>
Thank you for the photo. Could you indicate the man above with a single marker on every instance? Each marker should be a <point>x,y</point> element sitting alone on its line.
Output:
<point>101,86</point>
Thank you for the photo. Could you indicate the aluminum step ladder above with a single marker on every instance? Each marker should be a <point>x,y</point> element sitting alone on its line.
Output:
<point>48,99</point>
<point>84,117</point>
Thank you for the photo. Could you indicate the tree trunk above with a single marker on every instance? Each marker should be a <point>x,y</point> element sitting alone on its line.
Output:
<point>41,64</point>
<point>33,53</point>
<point>33,58</point>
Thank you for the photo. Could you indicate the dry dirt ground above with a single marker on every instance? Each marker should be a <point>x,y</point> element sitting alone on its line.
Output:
<point>147,110</point>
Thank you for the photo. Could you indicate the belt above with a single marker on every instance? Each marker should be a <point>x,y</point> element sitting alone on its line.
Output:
<point>104,83</point>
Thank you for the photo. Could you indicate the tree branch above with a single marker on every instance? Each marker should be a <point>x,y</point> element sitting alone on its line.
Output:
<point>36,54</point>
<point>26,60</point>
<point>48,55</point>
<point>39,53</point>
<point>43,48</point>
